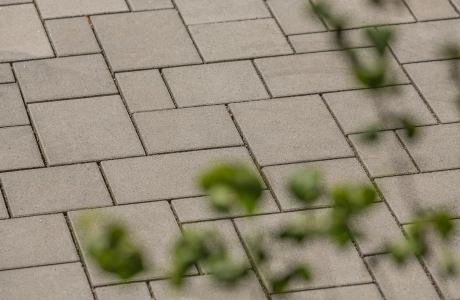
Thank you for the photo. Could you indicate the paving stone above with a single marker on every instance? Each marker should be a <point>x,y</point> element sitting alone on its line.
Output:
<point>72,36</point>
<point>50,9</point>
<point>334,172</point>
<point>18,149</point>
<point>6,74</point>
<point>336,267</point>
<point>435,147</point>
<point>437,87</point>
<point>132,291</point>
<point>385,156</point>
<point>278,132</point>
<point>215,83</point>
<point>404,282</point>
<point>144,90</point>
<point>357,110</point>
<point>166,176</point>
<point>151,39</point>
<point>3,210</point>
<point>41,240</point>
<point>237,40</point>
<point>456,3</point>
<point>22,35</point>
<point>83,130</point>
<point>12,109</point>
<point>152,225</point>
<point>57,189</point>
<point>408,194</point>
<point>357,292</point>
<point>7,2</point>
<point>64,78</point>
<point>187,129</point>
<point>212,11</point>
<point>294,16</point>
<point>67,281</point>
<point>137,5</point>
<point>226,234</point>
<point>426,10</point>
<point>315,73</point>
<point>414,42</point>
<point>200,209</point>
<point>205,288</point>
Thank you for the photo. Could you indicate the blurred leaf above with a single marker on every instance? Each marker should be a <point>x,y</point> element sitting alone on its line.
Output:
<point>448,264</point>
<point>409,127</point>
<point>371,76</point>
<point>379,38</point>
<point>306,186</point>
<point>442,223</point>
<point>451,50</point>
<point>280,285</point>
<point>371,133</point>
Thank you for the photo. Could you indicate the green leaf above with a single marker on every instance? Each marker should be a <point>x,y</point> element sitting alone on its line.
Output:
<point>371,133</point>
<point>409,127</point>
<point>306,186</point>
<point>442,223</point>
<point>379,38</point>
<point>371,76</point>
<point>279,285</point>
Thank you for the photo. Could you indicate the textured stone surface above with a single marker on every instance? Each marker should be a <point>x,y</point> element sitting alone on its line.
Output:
<point>425,10</point>
<point>69,8</point>
<point>3,210</point>
<point>18,149</point>
<point>131,291</point>
<point>7,2</point>
<point>357,292</point>
<point>6,74</point>
<point>137,5</point>
<point>12,109</point>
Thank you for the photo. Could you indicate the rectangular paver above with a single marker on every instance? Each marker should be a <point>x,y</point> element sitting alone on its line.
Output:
<point>131,291</point>
<point>12,109</point>
<point>6,74</point>
<point>138,5</point>
<point>425,10</point>
<point>357,292</point>
<point>57,189</point>
<point>70,8</point>
<point>7,2</point>
<point>3,210</point>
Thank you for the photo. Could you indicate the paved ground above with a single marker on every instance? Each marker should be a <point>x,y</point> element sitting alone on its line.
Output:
<point>117,105</point>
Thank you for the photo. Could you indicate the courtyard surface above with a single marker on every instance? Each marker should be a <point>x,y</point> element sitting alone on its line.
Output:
<point>118,105</point>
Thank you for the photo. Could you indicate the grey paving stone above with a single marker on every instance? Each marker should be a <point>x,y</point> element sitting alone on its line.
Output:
<point>64,78</point>
<point>434,82</point>
<point>435,148</point>
<point>406,282</point>
<point>336,267</point>
<point>166,176</point>
<point>205,288</point>
<point>144,90</point>
<point>82,130</point>
<point>151,39</point>
<point>72,36</point>
<point>22,35</point>
<point>18,149</point>
<point>295,16</point>
<point>12,109</point>
<point>215,83</point>
<point>67,281</point>
<point>409,193</point>
<point>425,10</point>
<point>137,5</point>
<point>212,11</point>
<point>385,156</point>
<point>278,132</point>
<point>154,228</point>
<point>6,74</point>
<point>357,292</point>
<point>57,189</point>
<point>357,110</point>
<point>50,9</point>
<point>3,211</point>
<point>33,241</point>
<point>414,42</point>
<point>237,40</point>
<point>315,73</point>
<point>7,2</point>
<point>225,233</point>
<point>335,171</point>
<point>456,3</point>
<point>187,129</point>
<point>200,209</point>
<point>131,291</point>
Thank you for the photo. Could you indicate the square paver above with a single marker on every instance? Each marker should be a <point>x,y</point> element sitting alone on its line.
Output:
<point>187,129</point>
<point>22,34</point>
<point>357,292</point>
<point>72,36</point>
<point>408,194</point>
<point>337,171</point>
<point>33,241</point>
<point>213,11</point>
<point>6,74</point>
<point>57,189</point>
<point>426,10</point>
<point>131,291</point>
<point>64,78</point>
<point>138,5</point>
<point>82,130</point>
<point>3,210</point>
<point>144,90</point>
<point>205,288</point>
<point>278,130</point>
<point>295,16</point>
<point>215,83</point>
<point>316,73</point>
<point>19,149</point>
<point>337,266</point>
<point>385,156</point>
<point>12,109</point>
<point>237,40</point>
<point>166,176</point>
<point>65,281</point>
<point>151,39</point>
<point>50,9</point>
<point>152,226</point>
<point>435,147</point>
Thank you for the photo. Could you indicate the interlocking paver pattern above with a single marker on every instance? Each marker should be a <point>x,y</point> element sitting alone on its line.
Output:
<point>6,74</point>
<point>12,109</point>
